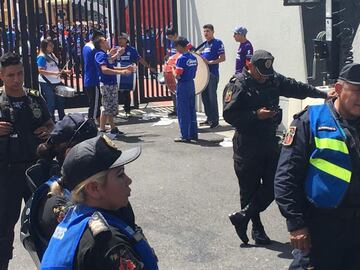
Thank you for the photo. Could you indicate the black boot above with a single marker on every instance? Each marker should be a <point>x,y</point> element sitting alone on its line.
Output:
<point>240,220</point>
<point>260,237</point>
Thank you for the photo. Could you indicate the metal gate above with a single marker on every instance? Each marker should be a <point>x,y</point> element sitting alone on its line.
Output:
<point>70,22</point>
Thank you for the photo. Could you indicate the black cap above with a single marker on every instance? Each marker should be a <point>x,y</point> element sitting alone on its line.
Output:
<point>93,156</point>
<point>263,62</point>
<point>73,127</point>
<point>351,73</point>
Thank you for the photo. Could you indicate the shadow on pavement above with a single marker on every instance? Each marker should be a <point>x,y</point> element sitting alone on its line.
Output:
<point>284,248</point>
<point>135,138</point>
<point>218,129</point>
<point>209,143</point>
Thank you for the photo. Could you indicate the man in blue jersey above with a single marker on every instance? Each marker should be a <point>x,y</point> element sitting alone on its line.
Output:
<point>213,53</point>
<point>108,83</point>
<point>186,66</point>
<point>129,57</point>
<point>172,35</point>
<point>245,50</point>
<point>91,77</point>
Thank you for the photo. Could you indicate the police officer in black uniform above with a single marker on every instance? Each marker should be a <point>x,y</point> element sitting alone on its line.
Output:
<point>251,105</point>
<point>94,234</point>
<point>24,123</point>
<point>317,183</point>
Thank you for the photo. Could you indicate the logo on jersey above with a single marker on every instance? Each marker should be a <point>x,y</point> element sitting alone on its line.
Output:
<point>191,62</point>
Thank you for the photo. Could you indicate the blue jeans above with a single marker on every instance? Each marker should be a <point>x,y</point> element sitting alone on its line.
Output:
<point>53,101</point>
<point>209,99</point>
<point>185,101</point>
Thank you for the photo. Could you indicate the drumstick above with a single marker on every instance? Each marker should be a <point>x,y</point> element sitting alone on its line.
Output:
<point>66,66</point>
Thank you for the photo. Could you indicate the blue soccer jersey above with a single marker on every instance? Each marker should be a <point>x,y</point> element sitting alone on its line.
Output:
<point>102,59</point>
<point>91,76</point>
<point>186,66</point>
<point>213,49</point>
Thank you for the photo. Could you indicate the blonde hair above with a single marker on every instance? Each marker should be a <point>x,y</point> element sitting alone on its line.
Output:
<point>78,194</point>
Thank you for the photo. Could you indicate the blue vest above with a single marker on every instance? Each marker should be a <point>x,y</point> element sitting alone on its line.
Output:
<point>61,251</point>
<point>38,196</point>
<point>329,172</point>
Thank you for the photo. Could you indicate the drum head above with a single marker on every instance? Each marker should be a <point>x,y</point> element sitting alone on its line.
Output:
<point>202,75</point>
<point>65,91</point>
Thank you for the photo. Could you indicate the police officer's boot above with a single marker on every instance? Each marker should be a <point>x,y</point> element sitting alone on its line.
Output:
<point>240,220</point>
<point>258,233</point>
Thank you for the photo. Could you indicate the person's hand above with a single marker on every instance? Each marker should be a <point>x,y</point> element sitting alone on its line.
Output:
<point>264,113</point>
<point>131,68</point>
<point>206,61</point>
<point>125,71</point>
<point>120,51</point>
<point>42,133</point>
<point>300,239</point>
<point>5,128</point>
<point>113,51</point>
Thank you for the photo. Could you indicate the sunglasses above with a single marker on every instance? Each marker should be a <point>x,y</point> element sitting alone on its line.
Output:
<point>83,131</point>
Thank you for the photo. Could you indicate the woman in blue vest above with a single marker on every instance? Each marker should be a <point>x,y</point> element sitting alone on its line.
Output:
<point>317,183</point>
<point>92,234</point>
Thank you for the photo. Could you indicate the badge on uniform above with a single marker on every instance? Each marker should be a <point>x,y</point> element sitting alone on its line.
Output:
<point>289,136</point>
<point>228,95</point>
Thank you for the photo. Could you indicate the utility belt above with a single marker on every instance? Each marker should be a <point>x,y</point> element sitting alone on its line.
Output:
<point>340,213</point>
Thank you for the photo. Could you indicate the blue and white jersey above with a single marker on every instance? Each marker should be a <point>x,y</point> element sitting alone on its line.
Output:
<point>213,49</point>
<point>186,67</point>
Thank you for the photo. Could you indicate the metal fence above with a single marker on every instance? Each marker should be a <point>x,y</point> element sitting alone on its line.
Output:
<point>70,22</point>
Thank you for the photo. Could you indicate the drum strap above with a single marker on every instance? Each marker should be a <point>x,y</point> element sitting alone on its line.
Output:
<point>200,46</point>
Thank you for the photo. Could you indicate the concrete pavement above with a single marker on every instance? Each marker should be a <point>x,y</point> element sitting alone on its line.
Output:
<point>182,195</point>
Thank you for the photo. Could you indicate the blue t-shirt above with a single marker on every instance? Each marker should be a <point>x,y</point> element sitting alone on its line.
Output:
<point>129,57</point>
<point>213,49</point>
<point>244,53</point>
<point>186,64</point>
<point>101,59</point>
<point>41,61</point>
<point>91,76</point>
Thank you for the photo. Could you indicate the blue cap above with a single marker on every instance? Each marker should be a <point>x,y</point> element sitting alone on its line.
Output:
<point>240,30</point>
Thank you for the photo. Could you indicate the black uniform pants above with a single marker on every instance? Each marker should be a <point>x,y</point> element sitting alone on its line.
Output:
<point>335,242</point>
<point>94,96</point>
<point>255,162</point>
<point>13,188</point>
<point>127,100</point>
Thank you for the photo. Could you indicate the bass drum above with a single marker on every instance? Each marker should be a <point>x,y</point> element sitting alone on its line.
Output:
<point>201,78</point>
<point>169,68</point>
<point>202,74</point>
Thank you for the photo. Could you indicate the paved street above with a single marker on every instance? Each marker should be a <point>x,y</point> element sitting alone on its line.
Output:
<point>182,195</point>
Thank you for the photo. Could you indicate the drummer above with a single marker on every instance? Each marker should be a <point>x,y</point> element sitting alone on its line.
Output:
<point>130,56</point>
<point>172,35</point>
<point>185,71</point>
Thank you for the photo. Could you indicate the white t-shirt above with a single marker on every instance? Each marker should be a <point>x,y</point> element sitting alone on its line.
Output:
<point>50,65</point>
